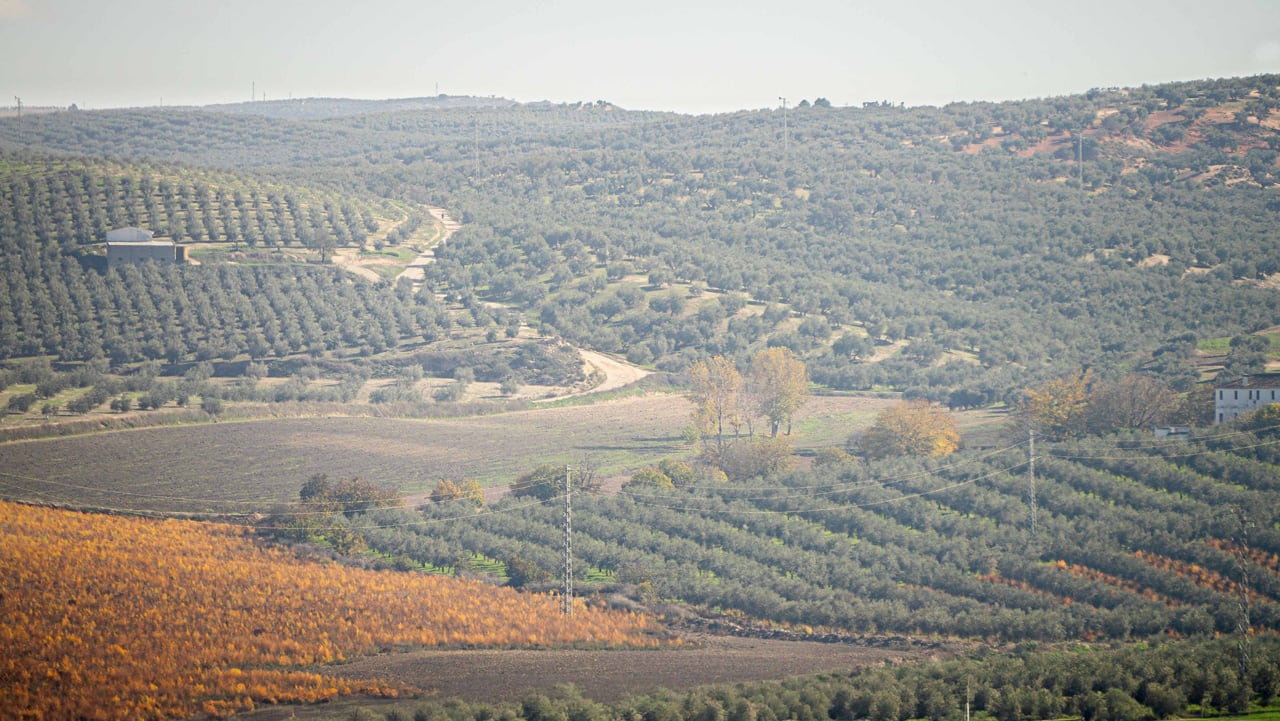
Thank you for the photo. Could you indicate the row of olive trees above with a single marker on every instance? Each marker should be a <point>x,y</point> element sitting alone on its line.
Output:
<point>911,544</point>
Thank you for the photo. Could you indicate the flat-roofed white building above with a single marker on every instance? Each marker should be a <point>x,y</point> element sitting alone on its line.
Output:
<point>126,246</point>
<point>1246,395</point>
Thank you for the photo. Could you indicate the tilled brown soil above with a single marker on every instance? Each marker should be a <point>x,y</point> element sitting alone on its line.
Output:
<point>610,675</point>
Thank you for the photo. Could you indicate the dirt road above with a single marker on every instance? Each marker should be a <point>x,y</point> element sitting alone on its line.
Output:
<point>616,373</point>
<point>417,269</point>
<point>349,260</point>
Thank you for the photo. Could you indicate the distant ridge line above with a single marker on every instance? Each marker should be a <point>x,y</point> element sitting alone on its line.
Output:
<point>323,108</point>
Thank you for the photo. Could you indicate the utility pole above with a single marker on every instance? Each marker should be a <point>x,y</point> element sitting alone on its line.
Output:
<point>784,126</point>
<point>1244,624</point>
<point>1080,158</point>
<point>566,598</point>
<point>19,109</point>
<point>476,146</point>
<point>1031,476</point>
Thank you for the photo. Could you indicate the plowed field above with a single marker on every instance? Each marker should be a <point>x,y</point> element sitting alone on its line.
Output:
<point>495,676</point>
<point>246,466</point>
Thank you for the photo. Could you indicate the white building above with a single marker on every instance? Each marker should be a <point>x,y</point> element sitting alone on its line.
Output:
<point>129,235</point>
<point>1245,396</point>
<point>135,245</point>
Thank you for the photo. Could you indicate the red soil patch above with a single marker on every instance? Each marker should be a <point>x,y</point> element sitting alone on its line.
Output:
<point>991,142</point>
<point>1047,146</point>
<point>1162,117</point>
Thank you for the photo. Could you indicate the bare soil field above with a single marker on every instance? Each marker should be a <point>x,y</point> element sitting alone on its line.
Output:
<point>247,466</point>
<point>610,675</point>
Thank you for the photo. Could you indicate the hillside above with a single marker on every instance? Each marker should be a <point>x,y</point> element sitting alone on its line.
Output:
<point>964,254</point>
<point>929,250</point>
<point>945,253</point>
<point>73,202</point>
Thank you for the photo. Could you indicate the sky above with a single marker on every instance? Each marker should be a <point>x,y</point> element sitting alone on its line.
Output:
<point>676,55</point>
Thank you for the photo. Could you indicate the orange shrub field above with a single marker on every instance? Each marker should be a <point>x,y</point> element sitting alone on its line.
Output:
<point>115,617</point>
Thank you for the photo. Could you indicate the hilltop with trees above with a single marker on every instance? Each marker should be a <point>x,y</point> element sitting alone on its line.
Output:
<point>968,249</point>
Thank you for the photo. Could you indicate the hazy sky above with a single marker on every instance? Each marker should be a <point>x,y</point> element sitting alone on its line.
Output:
<point>681,55</point>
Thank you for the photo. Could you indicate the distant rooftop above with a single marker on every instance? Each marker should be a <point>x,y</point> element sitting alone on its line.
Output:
<point>129,235</point>
<point>1262,380</point>
<point>143,243</point>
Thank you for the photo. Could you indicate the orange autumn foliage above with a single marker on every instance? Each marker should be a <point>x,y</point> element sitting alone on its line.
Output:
<point>1093,574</point>
<point>1200,576</point>
<point>1267,560</point>
<point>1024,586</point>
<point>117,618</point>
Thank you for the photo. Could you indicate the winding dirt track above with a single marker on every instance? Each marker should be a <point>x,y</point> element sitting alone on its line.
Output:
<point>416,270</point>
<point>617,374</point>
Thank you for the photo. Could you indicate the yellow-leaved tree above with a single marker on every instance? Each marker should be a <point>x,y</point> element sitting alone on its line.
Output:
<point>1057,409</point>
<point>777,386</point>
<point>446,490</point>
<point>714,389</point>
<point>914,428</point>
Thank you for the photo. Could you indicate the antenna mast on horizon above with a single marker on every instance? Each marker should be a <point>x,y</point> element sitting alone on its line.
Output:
<point>784,126</point>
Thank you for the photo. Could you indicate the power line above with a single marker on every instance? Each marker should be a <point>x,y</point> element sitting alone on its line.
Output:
<point>838,487</point>
<point>640,499</point>
<point>304,508</point>
<point>1031,477</point>
<point>1189,454</point>
<point>321,506</point>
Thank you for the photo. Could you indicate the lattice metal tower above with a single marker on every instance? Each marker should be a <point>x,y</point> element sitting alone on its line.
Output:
<point>566,598</point>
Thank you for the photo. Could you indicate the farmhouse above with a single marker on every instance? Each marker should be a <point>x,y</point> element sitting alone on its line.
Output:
<point>1245,396</point>
<point>126,246</point>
